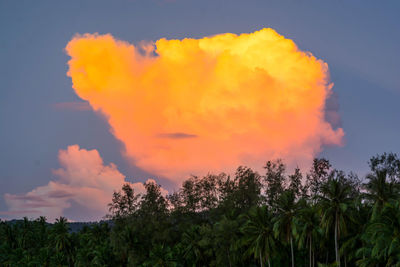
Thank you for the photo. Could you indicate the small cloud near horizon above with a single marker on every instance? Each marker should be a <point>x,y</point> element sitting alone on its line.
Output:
<point>83,179</point>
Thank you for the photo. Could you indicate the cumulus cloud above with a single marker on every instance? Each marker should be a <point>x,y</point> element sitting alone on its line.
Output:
<point>83,179</point>
<point>197,105</point>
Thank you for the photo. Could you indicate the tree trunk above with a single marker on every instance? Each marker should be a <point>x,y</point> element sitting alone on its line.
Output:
<point>336,241</point>
<point>269,263</point>
<point>310,253</point>
<point>313,258</point>
<point>291,248</point>
<point>261,262</point>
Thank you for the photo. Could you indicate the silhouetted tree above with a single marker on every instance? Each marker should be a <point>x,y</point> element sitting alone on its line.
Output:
<point>275,180</point>
<point>124,203</point>
<point>317,176</point>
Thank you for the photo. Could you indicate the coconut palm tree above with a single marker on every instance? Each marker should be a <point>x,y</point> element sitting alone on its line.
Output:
<point>308,230</point>
<point>353,240</point>
<point>383,235</point>
<point>61,239</point>
<point>259,234</point>
<point>284,225</point>
<point>379,190</point>
<point>335,205</point>
<point>226,232</point>
<point>192,251</point>
<point>161,256</point>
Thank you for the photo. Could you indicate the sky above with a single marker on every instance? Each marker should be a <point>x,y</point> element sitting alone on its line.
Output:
<point>49,135</point>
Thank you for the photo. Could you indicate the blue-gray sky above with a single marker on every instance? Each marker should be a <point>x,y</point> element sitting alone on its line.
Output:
<point>358,39</point>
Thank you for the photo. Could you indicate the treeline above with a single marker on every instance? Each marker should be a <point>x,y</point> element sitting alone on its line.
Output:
<point>322,218</point>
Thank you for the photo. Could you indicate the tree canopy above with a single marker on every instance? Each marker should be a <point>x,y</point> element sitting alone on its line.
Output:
<point>324,217</point>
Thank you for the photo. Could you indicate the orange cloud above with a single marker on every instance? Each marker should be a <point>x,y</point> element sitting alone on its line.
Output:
<point>196,105</point>
<point>83,178</point>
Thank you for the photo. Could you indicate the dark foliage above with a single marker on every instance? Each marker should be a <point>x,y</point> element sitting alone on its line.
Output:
<point>327,218</point>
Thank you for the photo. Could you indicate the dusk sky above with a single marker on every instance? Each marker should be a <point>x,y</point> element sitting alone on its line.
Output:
<point>60,156</point>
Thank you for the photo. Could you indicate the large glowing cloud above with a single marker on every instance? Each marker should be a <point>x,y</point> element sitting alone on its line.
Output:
<point>83,178</point>
<point>196,105</point>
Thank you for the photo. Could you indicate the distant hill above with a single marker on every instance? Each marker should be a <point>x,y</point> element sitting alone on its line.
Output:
<point>78,226</point>
<point>73,226</point>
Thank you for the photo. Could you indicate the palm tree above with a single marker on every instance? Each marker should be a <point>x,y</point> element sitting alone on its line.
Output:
<point>365,259</point>
<point>334,206</point>
<point>379,190</point>
<point>259,234</point>
<point>308,229</point>
<point>61,239</point>
<point>41,230</point>
<point>25,235</point>
<point>161,256</point>
<point>61,234</point>
<point>192,251</point>
<point>353,240</point>
<point>285,221</point>
<point>9,235</point>
<point>126,241</point>
<point>383,235</point>
<point>225,236</point>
